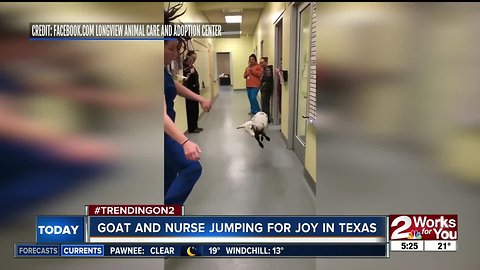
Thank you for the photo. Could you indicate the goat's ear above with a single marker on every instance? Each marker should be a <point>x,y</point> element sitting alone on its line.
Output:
<point>240,127</point>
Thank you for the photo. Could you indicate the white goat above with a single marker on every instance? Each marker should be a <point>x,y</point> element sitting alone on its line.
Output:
<point>256,127</point>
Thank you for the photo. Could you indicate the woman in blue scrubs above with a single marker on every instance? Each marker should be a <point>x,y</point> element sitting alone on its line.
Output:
<point>182,166</point>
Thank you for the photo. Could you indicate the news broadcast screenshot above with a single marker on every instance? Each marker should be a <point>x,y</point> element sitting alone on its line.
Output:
<point>239,135</point>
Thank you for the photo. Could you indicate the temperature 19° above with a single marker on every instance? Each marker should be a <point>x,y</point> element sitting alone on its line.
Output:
<point>213,250</point>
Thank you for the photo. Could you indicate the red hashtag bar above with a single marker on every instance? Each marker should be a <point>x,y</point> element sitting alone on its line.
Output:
<point>135,210</point>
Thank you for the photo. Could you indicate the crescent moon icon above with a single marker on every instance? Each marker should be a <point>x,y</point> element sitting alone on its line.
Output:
<point>189,252</point>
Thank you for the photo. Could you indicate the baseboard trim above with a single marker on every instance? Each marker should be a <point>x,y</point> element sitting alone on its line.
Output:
<point>283,137</point>
<point>311,183</point>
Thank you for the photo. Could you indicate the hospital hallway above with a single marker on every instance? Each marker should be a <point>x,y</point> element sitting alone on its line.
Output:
<point>240,178</point>
<point>375,109</point>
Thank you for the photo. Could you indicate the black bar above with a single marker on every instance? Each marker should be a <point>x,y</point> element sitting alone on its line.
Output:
<point>377,250</point>
<point>295,250</point>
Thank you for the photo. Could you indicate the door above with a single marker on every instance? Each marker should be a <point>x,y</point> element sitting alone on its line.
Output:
<point>302,70</point>
<point>277,83</point>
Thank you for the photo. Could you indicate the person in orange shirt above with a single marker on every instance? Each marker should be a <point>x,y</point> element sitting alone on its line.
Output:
<point>253,74</point>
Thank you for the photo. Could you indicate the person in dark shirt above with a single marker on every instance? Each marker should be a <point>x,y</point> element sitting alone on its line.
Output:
<point>191,81</point>
<point>266,88</point>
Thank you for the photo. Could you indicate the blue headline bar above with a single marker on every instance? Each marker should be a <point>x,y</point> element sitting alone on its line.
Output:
<point>239,226</point>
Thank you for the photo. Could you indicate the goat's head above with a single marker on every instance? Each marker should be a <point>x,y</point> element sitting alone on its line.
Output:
<point>248,127</point>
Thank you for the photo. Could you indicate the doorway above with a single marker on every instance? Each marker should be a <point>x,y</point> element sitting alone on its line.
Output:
<point>224,67</point>
<point>302,71</point>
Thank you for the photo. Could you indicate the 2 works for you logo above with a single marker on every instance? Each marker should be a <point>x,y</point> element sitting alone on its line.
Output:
<point>423,227</point>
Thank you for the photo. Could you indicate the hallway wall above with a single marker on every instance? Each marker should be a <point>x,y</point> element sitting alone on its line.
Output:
<point>266,32</point>
<point>285,64</point>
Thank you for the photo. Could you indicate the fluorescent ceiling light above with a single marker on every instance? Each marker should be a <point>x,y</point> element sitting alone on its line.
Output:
<point>232,33</point>
<point>233,19</point>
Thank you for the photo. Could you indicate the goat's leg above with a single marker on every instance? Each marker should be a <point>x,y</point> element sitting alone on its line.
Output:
<point>257,137</point>
<point>265,135</point>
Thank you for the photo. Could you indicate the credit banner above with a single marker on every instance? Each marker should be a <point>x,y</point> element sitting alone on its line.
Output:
<point>131,31</point>
<point>238,229</point>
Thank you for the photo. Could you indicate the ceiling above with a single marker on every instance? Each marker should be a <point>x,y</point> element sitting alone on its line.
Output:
<point>251,12</point>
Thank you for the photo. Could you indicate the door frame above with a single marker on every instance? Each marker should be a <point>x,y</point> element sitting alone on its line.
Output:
<point>231,66</point>
<point>261,52</point>
<point>293,142</point>
<point>278,54</point>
